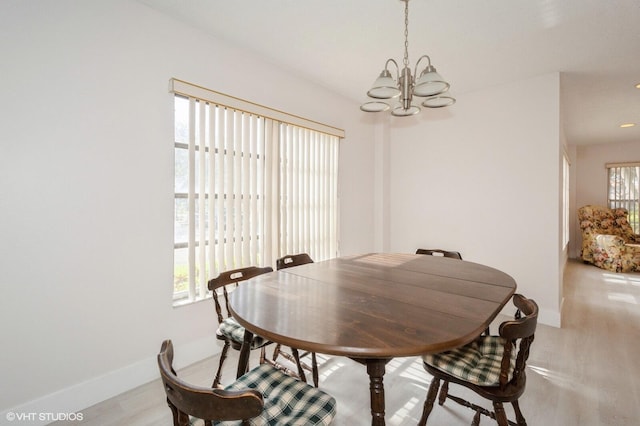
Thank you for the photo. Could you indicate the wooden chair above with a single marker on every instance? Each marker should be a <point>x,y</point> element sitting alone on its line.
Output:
<point>289,261</point>
<point>229,330</point>
<point>265,395</point>
<point>438,252</point>
<point>292,260</point>
<point>491,366</point>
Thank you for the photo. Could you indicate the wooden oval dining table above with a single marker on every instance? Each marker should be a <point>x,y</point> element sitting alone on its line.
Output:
<point>372,308</point>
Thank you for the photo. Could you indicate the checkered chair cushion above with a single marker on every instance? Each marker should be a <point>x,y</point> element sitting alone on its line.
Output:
<point>478,362</point>
<point>230,329</point>
<point>287,401</point>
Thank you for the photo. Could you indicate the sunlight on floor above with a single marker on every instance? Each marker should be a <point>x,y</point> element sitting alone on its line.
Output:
<point>327,366</point>
<point>621,297</point>
<point>556,378</point>
<point>417,374</point>
<point>405,411</point>
<point>622,279</point>
<point>578,387</point>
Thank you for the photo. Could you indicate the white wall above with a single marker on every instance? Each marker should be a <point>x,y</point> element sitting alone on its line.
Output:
<point>86,166</point>
<point>482,179</point>
<point>591,175</point>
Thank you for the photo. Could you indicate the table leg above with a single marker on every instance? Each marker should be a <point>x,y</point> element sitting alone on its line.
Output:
<point>376,370</point>
<point>243,360</point>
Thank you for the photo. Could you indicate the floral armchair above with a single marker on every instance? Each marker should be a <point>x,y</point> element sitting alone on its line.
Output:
<point>608,240</point>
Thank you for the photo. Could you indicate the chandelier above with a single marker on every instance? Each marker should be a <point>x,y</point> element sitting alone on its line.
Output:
<point>430,85</point>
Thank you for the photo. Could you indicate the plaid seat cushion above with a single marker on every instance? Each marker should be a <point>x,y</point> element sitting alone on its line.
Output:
<point>478,362</point>
<point>234,331</point>
<point>287,401</point>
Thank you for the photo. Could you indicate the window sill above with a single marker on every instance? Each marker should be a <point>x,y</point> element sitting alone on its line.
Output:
<point>186,302</point>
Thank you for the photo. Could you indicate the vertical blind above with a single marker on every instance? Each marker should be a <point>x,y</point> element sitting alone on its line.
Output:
<point>249,189</point>
<point>624,190</point>
<point>308,192</point>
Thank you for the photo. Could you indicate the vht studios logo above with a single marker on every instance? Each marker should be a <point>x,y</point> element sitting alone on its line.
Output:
<point>49,417</point>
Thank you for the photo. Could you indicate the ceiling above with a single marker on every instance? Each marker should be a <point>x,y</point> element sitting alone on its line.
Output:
<point>475,44</point>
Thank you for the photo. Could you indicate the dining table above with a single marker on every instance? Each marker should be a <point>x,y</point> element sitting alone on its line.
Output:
<point>372,308</point>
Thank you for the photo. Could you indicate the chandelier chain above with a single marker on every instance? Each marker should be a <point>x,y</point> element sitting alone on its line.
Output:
<point>406,33</point>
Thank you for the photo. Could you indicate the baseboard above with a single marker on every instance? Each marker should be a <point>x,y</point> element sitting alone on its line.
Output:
<point>550,318</point>
<point>68,403</point>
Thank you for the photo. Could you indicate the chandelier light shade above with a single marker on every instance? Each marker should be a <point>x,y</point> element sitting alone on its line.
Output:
<point>429,85</point>
<point>374,106</point>
<point>385,86</point>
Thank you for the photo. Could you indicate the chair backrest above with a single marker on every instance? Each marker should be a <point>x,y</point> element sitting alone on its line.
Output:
<point>205,403</point>
<point>603,220</point>
<point>292,260</point>
<point>218,286</point>
<point>522,328</point>
<point>438,252</point>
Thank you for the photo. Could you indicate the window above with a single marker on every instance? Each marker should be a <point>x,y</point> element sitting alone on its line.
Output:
<point>565,200</point>
<point>624,187</point>
<point>248,187</point>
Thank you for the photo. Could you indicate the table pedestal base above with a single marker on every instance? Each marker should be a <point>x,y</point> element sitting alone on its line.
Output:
<point>376,369</point>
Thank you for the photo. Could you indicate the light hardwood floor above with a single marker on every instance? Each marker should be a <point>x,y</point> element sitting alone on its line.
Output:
<point>585,373</point>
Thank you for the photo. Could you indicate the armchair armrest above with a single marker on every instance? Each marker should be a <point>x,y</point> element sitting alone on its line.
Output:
<point>612,253</point>
<point>609,243</point>
<point>634,239</point>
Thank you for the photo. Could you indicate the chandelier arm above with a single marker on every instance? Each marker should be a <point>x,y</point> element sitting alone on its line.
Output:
<point>415,71</point>
<point>386,67</point>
